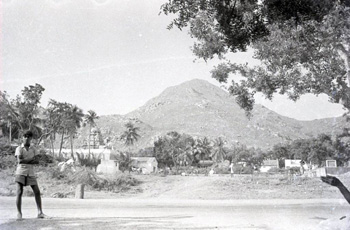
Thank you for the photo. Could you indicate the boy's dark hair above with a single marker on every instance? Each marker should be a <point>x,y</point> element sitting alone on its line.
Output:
<point>28,133</point>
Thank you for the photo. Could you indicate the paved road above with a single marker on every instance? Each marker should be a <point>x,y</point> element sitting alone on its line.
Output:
<point>171,214</point>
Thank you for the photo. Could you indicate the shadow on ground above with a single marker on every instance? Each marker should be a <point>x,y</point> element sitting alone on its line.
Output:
<point>166,222</point>
<point>123,223</point>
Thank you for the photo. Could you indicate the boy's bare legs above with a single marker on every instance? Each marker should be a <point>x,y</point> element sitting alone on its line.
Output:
<point>38,201</point>
<point>19,201</point>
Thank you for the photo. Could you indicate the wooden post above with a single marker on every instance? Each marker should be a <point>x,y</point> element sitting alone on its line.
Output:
<point>79,191</point>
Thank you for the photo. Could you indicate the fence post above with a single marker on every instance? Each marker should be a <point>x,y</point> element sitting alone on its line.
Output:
<point>79,191</point>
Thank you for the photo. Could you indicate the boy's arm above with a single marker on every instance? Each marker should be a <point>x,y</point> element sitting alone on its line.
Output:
<point>22,160</point>
<point>337,183</point>
<point>35,158</point>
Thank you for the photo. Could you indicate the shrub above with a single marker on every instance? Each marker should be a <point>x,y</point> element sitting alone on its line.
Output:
<point>116,183</point>
<point>125,161</point>
<point>61,158</point>
<point>276,170</point>
<point>222,170</point>
<point>89,160</point>
<point>7,161</point>
<point>203,170</point>
<point>183,169</point>
<point>6,148</point>
<point>119,183</point>
<point>239,169</point>
<point>59,195</point>
<point>44,159</point>
<point>56,173</point>
<point>294,170</point>
<point>85,176</point>
<point>247,170</point>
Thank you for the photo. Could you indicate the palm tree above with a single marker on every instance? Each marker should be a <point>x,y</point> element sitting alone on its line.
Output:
<point>57,120</point>
<point>76,118</point>
<point>219,152</point>
<point>89,119</point>
<point>201,149</point>
<point>205,147</point>
<point>52,122</point>
<point>130,135</point>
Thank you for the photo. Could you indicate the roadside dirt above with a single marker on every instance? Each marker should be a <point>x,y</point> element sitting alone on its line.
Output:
<point>216,187</point>
<point>224,187</point>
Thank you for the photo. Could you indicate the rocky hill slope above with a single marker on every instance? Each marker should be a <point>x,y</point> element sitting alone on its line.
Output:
<point>201,109</point>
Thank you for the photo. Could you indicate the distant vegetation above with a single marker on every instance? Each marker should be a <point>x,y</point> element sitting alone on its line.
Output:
<point>63,120</point>
<point>176,149</point>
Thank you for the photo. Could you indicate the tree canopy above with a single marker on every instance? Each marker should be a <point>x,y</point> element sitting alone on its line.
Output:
<point>24,111</point>
<point>303,46</point>
<point>130,135</point>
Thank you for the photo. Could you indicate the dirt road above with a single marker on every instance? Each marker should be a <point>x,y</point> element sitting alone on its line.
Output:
<point>171,214</point>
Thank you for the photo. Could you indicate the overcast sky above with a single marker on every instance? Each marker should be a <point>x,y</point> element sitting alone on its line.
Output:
<point>109,56</point>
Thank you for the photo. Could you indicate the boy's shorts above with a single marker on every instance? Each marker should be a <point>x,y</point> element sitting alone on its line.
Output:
<point>26,180</point>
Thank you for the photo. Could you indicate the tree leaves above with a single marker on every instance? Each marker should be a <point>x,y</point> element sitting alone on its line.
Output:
<point>303,46</point>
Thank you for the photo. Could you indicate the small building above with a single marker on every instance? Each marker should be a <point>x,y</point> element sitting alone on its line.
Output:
<point>331,163</point>
<point>205,163</point>
<point>146,164</point>
<point>288,163</point>
<point>98,153</point>
<point>269,164</point>
<point>242,163</point>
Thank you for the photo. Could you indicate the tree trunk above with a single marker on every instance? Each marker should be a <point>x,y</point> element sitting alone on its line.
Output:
<point>89,138</point>
<point>10,135</point>
<point>71,146</point>
<point>346,57</point>
<point>345,101</point>
<point>79,191</point>
<point>61,144</point>
<point>52,144</point>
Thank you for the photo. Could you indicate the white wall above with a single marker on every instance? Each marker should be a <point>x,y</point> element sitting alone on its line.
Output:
<point>102,153</point>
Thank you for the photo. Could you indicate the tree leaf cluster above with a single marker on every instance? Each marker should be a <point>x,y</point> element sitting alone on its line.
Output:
<point>314,150</point>
<point>25,113</point>
<point>176,149</point>
<point>303,46</point>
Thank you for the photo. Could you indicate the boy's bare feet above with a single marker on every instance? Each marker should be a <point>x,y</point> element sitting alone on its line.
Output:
<point>43,216</point>
<point>19,217</point>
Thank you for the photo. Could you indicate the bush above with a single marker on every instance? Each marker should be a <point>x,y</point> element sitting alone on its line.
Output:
<point>239,169</point>
<point>222,170</point>
<point>6,148</point>
<point>119,183</point>
<point>203,170</point>
<point>116,183</point>
<point>85,176</point>
<point>7,161</point>
<point>44,159</point>
<point>61,158</point>
<point>294,170</point>
<point>184,169</point>
<point>56,173</point>
<point>89,160</point>
<point>276,170</point>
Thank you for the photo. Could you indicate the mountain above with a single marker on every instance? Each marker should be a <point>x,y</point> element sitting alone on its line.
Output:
<point>201,109</point>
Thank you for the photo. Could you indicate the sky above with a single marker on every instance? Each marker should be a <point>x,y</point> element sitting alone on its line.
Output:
<point>110,56</point>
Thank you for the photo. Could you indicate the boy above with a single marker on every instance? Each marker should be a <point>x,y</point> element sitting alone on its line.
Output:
<point>25,173</point>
